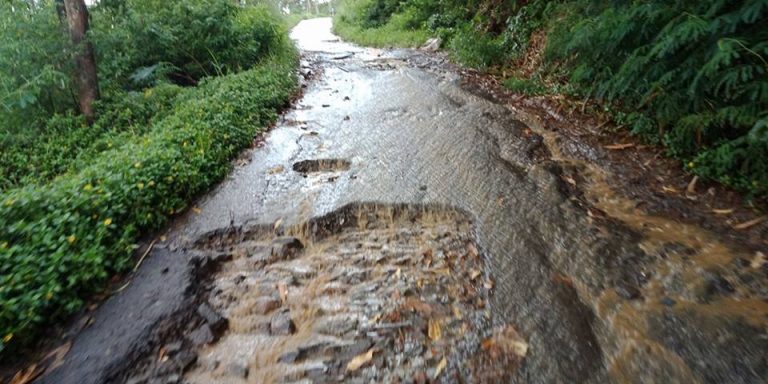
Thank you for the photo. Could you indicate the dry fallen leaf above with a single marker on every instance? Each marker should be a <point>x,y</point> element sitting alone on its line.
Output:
<point>278,223</point>
<point>620,146</point>
<point>162,356</point>
<point>472,250</point>
<point>360,360</point>
<point>26,375</point>
<point>277,169</point>
<point>758,261</point>
<point>414,304</point>
<point>474,274</point>
<point>692,185</point>
<point>434,331</point>
<point>196,210</point>
<point>723,211</point>
<point>56,357</point>
<point>568,180</point>
<point>669,189</point>
<point>457,313</point>
<point>519,347</point>
<point>440,367</point>
<point>751,223</point>
<point>282,289</point>
<point>595,213</point>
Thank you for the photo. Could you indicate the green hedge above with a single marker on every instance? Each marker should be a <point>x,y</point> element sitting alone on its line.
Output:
<point>59,242</point>
<point>64,141</point>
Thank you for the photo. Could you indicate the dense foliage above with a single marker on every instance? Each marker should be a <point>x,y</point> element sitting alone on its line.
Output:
<point>75,197</point>
<point>689,75</point>
<point>139,43</point>
<point>375,23</point>
<point>694,73</point>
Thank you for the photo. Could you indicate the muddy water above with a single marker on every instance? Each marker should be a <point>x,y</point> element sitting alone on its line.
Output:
<point>397,227</point>
<point>391,294</point>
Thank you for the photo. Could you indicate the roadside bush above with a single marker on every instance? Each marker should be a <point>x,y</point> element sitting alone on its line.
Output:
<point>41,153</point>
<point>376,23</point>
<point>524,86</point>
<point>477,49</point>
<point>35,63</point>
<point>185,40</point>
<point>141,43</point>
<point>60,241</point>
<point>698,70</point>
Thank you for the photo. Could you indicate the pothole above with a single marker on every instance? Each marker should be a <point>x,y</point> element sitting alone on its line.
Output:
<point>321,165</point>
<point>368,293</point>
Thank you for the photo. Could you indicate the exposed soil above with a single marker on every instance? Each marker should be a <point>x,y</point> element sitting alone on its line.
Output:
<point>321,165</point>
<point>639,172</point>
<point>370,292</point>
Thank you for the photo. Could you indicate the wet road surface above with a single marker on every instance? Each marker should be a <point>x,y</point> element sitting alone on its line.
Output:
<point>396,227</point>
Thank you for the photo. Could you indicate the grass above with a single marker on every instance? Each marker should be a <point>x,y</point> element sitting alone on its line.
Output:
<point>384,36</point>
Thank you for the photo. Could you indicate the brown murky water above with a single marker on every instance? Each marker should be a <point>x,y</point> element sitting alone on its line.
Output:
<point>691,274</point>
<point>391,294</point>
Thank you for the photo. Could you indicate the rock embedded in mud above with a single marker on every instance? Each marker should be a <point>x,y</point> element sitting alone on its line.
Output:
<point>336,326</point>
<point>238,369</point>
<point>170,379</point>
<point>289,357</point>
<point>627,291</point>
<point>285,247</point>
<point>669,302</point>
<point>282,324</point>
<point>432,45</point>
<point>185,359</point>
<point>202,335</point>
<point>264,305</point>
<point>218,324</point>
<point>172,348</point>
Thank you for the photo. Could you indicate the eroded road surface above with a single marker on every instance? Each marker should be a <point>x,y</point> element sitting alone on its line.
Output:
<point>397,228</point>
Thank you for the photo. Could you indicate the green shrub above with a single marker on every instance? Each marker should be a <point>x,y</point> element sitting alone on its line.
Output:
<point>39,141</point>
<point>376,23</point>
<point>477,49</point>
<point>187,40</point>
<point>60,241</point>
<point>40,154</point>
<point>525,86</point>
<point>35,64</point>
<point>697,70</point>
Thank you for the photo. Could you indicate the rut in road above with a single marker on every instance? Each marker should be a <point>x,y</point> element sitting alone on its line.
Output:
<point>391,294</point>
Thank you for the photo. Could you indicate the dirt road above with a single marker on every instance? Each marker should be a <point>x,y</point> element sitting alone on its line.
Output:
<point>396,227</point>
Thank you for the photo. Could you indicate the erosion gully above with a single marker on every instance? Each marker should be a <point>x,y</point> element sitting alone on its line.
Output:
<point>396,227</point>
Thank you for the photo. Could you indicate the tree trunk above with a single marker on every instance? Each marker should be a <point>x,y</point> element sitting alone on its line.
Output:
<point>85,62</point>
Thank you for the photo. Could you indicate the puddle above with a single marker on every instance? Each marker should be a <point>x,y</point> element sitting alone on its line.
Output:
<point>321,165</point>
<point>369,293</point>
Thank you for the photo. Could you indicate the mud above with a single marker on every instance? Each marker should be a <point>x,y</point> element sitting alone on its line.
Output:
<point>403,284</point>
<point>576,283</point>
<point>321,165</point>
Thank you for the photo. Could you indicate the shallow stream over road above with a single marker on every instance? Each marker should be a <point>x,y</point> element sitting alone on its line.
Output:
<point>396,227</point>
